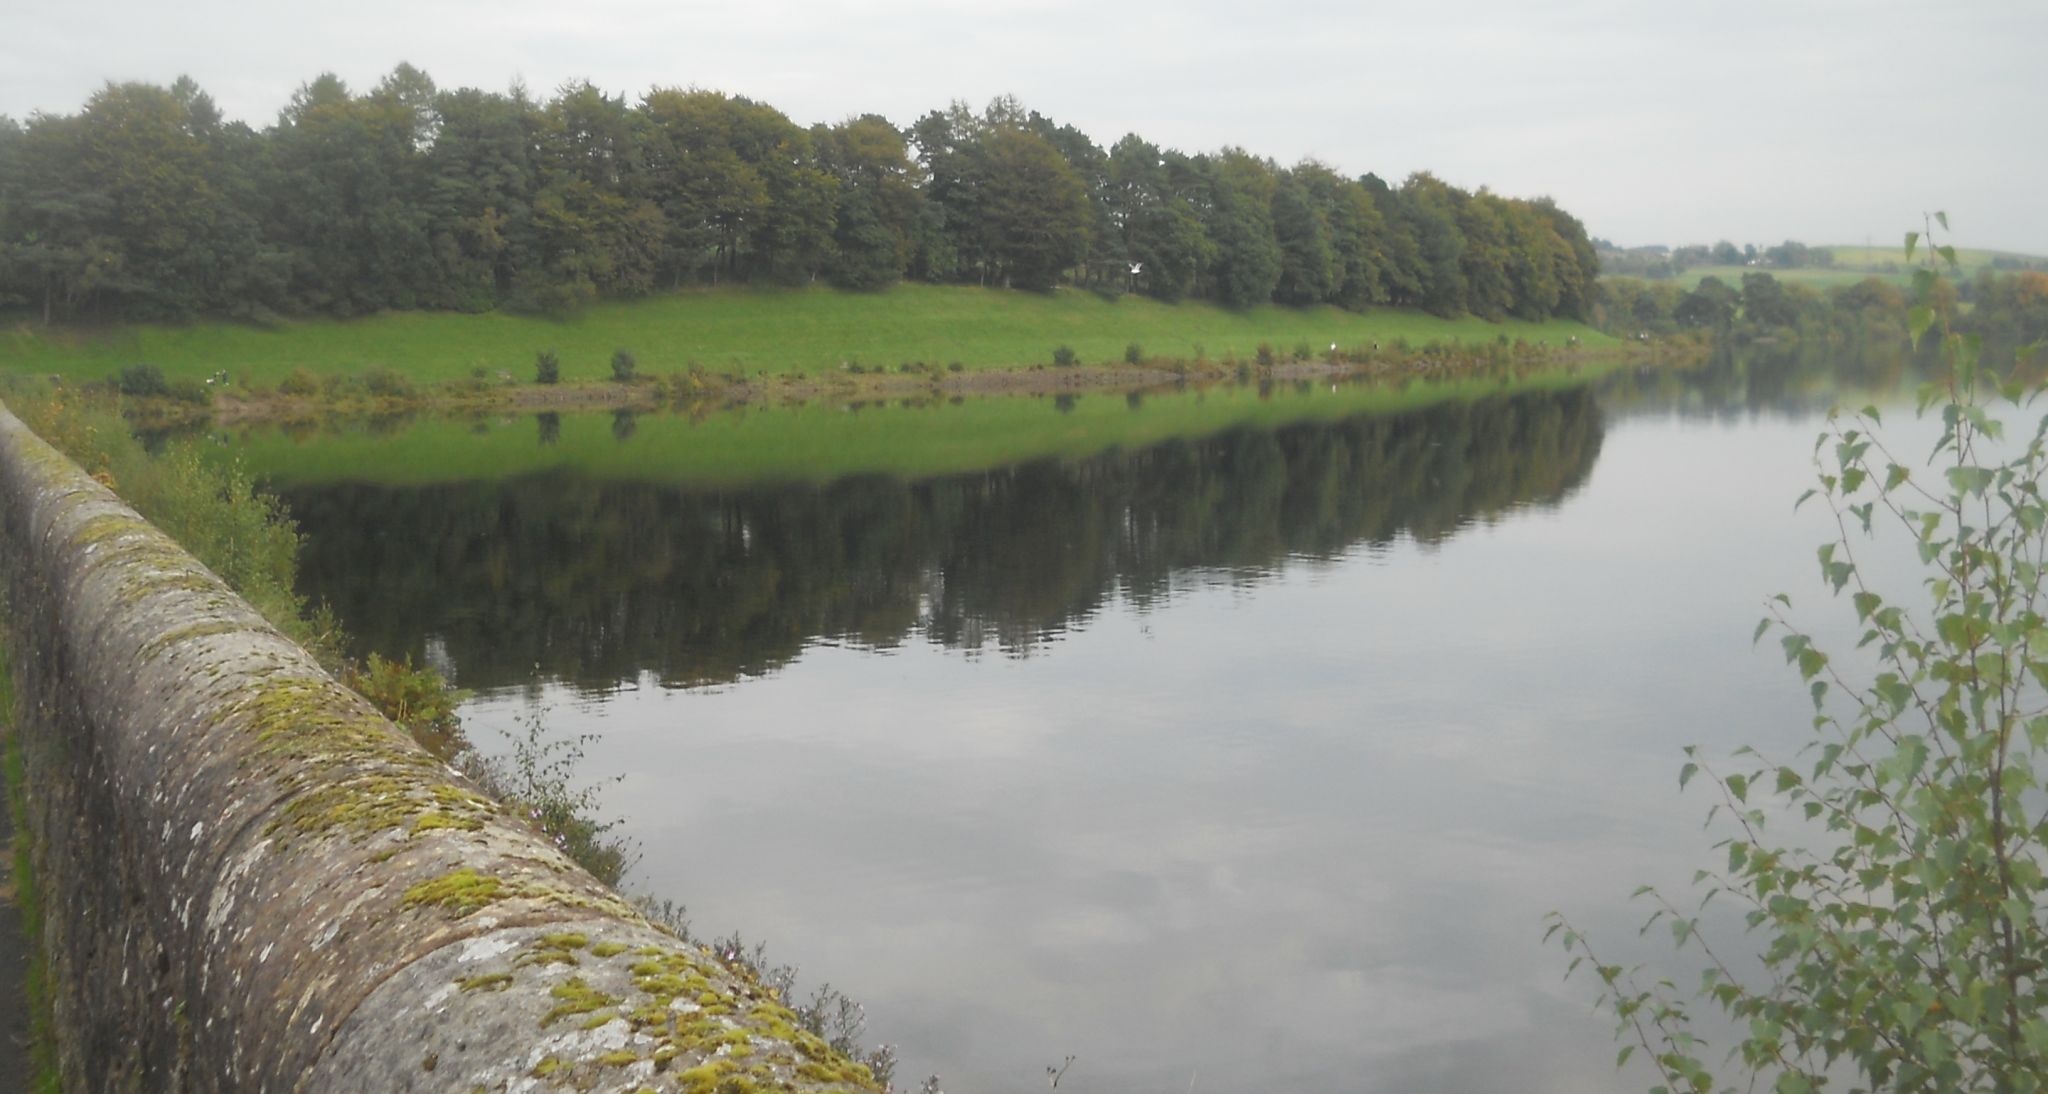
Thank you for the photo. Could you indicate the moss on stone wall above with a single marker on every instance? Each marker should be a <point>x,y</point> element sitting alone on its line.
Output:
<point>267,885</point>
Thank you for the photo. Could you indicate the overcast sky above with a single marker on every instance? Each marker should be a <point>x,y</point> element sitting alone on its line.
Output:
<point>1827,121</point>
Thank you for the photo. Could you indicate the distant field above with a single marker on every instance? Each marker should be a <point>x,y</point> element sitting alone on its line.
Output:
<point>1853,264</point>
<point>747,330</point>
<point>1876,258</point>
<point>1819,278</point>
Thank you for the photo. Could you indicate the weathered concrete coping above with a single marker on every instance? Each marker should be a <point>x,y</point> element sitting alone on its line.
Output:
<point>256,883</point>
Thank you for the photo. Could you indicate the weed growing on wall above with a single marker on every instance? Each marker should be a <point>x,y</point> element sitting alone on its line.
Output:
<point>539,779</point>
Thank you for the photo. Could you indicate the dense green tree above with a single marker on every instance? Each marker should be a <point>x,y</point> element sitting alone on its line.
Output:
<point>946,244</point>
<point>1711,304</point>
<point>1150,221</point>
<point>1240,222</point>
<point>1134,183</point>
<point>13,290</point>
<point>865,253</point>
<point>594,231</point>
<point>1402,269</point>
<point>1430,209</point>
<point>778,222</point>
<point>1790,254</point>
<point>708,195</point>
<point>348,193</point>
<point>1576,267</point>
<point>1629,305</point>
<point>146,204</point>
<point>1309,269</point>
<point>1358,236</point>
<point>2011,308</point>
<point>57,218</point>
<point>1765,301</point>
<point>878,202</point>
<point>1034,212</point>
<point>482,176</point>
<point>1099,263</point>
<point>1482,221</point>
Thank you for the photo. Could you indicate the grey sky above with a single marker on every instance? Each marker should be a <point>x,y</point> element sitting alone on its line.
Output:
<point>1828,121</point>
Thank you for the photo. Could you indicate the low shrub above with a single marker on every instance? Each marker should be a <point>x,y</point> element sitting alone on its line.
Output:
<point>623,366</point>
<point>190,391</point>
<point>1064,357</point>
<point>299,381</point>
<point>417,699</point>
<point>387,383</point>
<point>547,367</point>
<point>142,379</point>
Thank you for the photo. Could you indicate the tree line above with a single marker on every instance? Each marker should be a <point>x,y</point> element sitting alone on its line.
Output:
<point>1659,262</point>
<point>148,205</point>
<point>2006,309</point>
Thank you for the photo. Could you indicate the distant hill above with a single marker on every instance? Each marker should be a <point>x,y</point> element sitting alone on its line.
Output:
<point>1818,266</point>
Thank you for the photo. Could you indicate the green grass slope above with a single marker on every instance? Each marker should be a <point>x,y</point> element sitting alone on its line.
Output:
<point>821,441</point>
<point>747,330</point>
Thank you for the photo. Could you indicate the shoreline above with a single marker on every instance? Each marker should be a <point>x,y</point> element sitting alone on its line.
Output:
<point>230,407</point>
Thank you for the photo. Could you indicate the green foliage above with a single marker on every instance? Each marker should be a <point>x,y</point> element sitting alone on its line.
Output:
<point>1134,354</point>
<point>539,779</point>
<point>547,367</point>
<point>148,206</point>
<point>213,509</point>
<point>41,1048</point>
<point>1248,257</point>
<point>1033,207</point>
<point>418,700</point>
<point>1064,356</point>
<point>1907,943</point>
<point>299,381</point>
<point>623,366</point>
<point>388,383</point>
<point>187,390</point>
<point>142,379</point>
<point>1766,302</point>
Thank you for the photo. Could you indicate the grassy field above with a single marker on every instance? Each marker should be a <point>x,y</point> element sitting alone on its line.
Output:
<point>746,331</point>
<point>822,441</point>
<point>1853,264</point>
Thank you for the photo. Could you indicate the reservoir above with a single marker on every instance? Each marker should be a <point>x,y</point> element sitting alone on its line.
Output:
<point>1221,740</point>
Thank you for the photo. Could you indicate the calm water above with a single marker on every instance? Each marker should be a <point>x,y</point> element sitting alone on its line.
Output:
<point>1247,761</point>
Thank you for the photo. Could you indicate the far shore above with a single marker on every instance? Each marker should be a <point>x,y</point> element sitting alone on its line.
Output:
<point>230,406</point>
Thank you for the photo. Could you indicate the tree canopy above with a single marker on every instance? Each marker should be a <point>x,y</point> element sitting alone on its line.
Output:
<point>148,205</point>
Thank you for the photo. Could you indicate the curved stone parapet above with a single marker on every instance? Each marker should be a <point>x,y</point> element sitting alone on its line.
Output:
<point>251,881</point>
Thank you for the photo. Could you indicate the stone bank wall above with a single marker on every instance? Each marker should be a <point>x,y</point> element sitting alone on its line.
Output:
<point>253,882</point>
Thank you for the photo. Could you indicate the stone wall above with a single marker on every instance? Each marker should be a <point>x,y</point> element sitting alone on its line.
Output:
<point>253,882</point>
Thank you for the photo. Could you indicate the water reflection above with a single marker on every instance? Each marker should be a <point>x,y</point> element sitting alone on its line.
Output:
<point>1334,714</point>
<point>1788,380</point>
<point>595,581</point>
